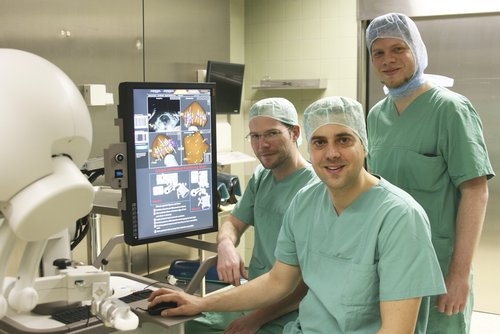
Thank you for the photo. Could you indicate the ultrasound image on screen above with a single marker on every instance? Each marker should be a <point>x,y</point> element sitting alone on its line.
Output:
<point>163,114</point>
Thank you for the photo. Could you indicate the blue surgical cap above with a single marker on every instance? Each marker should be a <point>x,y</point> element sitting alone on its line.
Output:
<point>336,110</point>
<point>277,108</point>
<point>400,26</point>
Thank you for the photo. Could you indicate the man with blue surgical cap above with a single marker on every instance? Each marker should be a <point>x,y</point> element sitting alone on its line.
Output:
<point>274,136</point>
<point>361,245</point>
<point>428,140</point>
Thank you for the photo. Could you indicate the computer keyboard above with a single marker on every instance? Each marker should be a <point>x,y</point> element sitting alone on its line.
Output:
<point>135,296</point>
<point>75,314</point>
<point>72,315</point>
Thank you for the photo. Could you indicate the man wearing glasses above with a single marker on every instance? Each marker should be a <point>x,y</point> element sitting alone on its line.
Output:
<point>275,137</point>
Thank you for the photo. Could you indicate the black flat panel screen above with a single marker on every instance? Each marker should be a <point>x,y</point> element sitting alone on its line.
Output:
<point>228,78</point>
<point>169,129</point>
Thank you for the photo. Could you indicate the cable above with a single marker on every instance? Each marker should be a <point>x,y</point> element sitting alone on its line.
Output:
<point>82,224</point>
<point>82,228</point>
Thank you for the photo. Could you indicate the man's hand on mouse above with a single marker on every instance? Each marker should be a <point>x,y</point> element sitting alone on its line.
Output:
<point>186,304</point>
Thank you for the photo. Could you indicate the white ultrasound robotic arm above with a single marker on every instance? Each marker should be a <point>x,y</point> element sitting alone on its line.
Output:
<point>45,137</point>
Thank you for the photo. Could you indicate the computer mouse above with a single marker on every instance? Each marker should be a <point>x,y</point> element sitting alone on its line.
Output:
<point>158,308</point>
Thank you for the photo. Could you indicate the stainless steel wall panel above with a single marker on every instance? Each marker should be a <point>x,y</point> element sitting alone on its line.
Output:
<point>93,41</point>
<point>110,41</point>
<point>179,39</point>
<point>369,9</point>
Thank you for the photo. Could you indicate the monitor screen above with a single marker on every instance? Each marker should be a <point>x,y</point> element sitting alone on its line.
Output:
<point>228,78</point>
<point>169,131</point>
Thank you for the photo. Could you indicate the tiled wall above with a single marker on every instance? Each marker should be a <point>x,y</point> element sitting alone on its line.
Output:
<point>300,39</point>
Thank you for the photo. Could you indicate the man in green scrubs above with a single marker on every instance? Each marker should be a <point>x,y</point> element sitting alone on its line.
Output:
<point>428,140</point>
<point>361,245</point>
<point>275,137</point>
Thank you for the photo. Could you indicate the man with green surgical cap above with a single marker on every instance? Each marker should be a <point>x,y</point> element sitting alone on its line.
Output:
<point>275,136</point>
<point>428,140</point>
<point>361,245</point>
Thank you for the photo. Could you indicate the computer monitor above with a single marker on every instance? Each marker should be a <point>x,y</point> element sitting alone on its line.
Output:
<point>169,131</point>
<point>228,78</point>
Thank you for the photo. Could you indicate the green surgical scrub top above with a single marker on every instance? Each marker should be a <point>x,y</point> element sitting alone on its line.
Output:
<point>263,206</point>
<point>429,150</point>
<point>378,249</point>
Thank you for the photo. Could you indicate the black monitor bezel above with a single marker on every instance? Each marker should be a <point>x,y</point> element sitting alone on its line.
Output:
<point>126,114</point>
<point>223,94</point>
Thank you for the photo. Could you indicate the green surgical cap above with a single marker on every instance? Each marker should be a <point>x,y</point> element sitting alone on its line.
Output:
<point>278,108</point>
<point>400,26</point>
<point>336,110</point>
<point>275,107</point>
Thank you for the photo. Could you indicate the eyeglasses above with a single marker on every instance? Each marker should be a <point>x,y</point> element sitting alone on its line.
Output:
<point>267,136</point>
